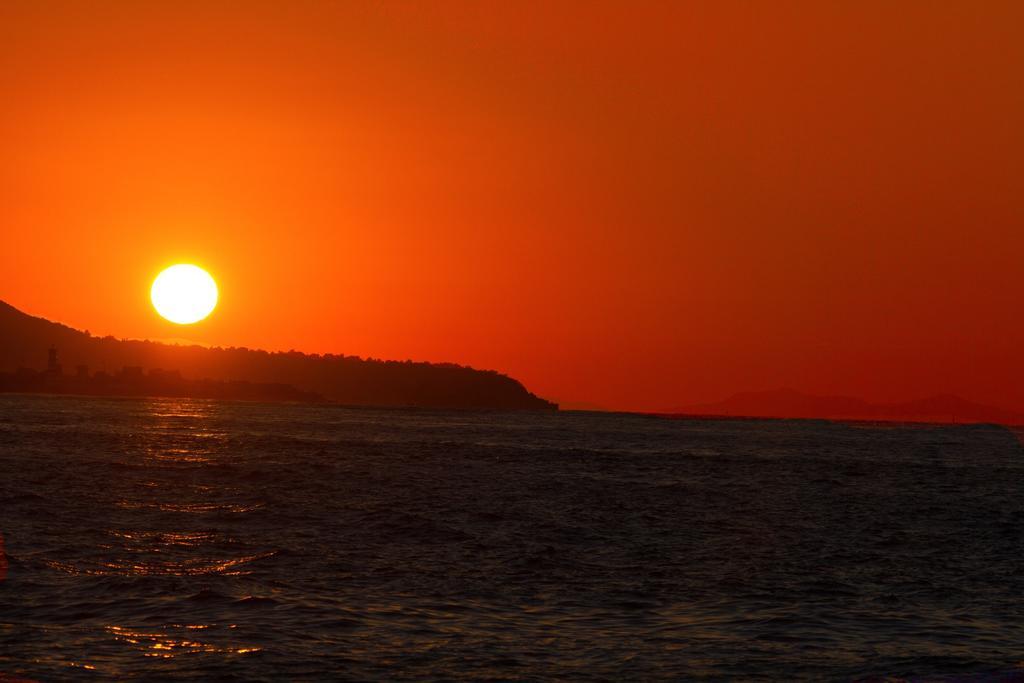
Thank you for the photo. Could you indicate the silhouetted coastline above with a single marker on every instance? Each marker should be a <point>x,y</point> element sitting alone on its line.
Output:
<point>172,370</point>
<point>791,404</point>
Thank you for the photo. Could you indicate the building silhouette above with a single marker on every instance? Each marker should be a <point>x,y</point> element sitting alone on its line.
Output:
<point>133,381</point>
<point>52,366</point>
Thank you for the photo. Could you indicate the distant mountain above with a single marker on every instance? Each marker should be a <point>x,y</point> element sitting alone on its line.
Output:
<point>350,380</point>
<point>788,403</point>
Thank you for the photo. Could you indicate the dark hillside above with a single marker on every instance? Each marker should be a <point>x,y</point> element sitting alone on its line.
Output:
<point>24,341</point>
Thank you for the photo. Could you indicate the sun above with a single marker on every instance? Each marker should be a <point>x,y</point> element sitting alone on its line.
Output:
<point>184,294</point>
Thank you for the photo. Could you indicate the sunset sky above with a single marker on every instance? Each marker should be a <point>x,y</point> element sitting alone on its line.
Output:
<point>636,205</point>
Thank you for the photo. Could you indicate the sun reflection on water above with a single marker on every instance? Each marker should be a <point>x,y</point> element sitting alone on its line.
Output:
<point>182,431</point>
<point>173,501</point>
<point>235,566</point>
<point>166,645</point>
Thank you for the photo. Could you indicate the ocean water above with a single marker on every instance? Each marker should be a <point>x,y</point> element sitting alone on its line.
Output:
<point>185,539</point>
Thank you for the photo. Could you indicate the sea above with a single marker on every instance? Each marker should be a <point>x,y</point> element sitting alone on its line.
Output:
<point>177,539</point>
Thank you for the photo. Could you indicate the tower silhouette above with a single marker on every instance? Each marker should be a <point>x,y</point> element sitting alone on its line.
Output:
<point>52,366</point>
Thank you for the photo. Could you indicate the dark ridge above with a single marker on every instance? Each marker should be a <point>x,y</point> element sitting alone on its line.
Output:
<point>349,380</point>
<point>788,403</point>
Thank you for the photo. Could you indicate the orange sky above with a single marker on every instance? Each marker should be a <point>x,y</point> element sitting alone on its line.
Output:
<point>638,205</point>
